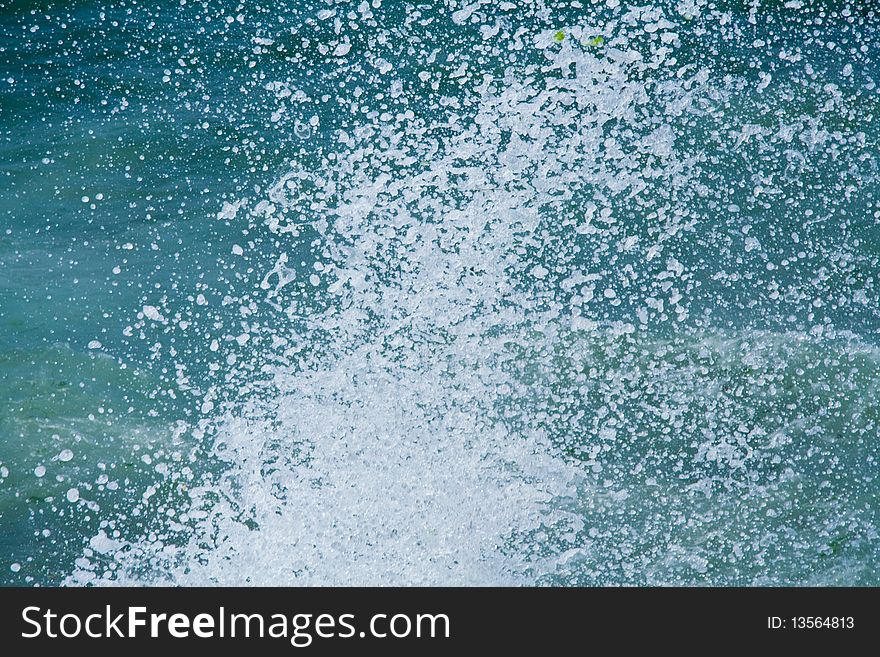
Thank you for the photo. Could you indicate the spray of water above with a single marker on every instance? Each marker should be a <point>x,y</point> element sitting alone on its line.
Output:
<point>482,351</point>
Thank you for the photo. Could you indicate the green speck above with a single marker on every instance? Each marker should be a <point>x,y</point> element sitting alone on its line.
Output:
<point>595,41</point>
<point>559,36</point>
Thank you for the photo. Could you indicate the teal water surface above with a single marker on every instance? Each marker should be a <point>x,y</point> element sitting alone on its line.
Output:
<point>577,293</point>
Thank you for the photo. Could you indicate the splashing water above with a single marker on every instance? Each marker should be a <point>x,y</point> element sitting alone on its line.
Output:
<point>540,295</point>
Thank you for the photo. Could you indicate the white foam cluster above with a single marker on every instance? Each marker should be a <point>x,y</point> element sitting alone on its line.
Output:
<point>386,456</point>
<point>457,378</point>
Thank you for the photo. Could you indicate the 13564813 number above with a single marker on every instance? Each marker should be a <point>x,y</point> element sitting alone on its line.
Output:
<point>822,622</point>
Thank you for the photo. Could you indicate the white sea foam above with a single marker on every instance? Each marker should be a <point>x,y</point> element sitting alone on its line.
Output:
<point>446,291</point>
<point>385,455</point>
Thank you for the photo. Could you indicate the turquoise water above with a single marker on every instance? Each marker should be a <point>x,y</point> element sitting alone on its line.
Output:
<point>577,293</point>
